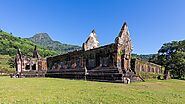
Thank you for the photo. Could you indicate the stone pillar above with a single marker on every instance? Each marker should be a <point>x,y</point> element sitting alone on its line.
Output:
<point>124,49</point>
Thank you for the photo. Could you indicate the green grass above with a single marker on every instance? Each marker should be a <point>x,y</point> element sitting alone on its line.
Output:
<point>63,91</point>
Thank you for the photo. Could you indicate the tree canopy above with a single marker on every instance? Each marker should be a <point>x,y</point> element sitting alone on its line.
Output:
<point>172,56</point>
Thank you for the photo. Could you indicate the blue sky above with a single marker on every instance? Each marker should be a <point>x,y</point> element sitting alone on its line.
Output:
<point>151,22</point>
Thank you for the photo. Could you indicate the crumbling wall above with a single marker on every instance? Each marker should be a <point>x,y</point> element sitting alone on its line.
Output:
<point>91,42</point>
<point>33,64</point>
<point>144,66</point>
<point>91,59</point>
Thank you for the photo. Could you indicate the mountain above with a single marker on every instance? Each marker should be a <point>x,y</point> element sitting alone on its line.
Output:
<point>10,43</point>
<point>8,49</point>
<point>44,40</point>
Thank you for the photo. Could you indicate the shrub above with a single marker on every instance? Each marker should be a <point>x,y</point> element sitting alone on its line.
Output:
<point>149,75</point>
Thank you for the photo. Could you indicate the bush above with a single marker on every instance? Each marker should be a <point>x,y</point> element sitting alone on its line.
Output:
<point>149,75</point>
<point>7,70</point>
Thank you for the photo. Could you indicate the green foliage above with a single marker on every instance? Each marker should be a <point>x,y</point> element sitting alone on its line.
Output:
<point>120,53</point>
<point>172,57</point>
<point>61,91</point>
<point>10,43</point>
<point>150,75</point>
<point>11,62</point>
<point>8,50</point>
<point>4,64</point>
<point>143,57</point>
<point>177,64</point>
<point>44,40</point>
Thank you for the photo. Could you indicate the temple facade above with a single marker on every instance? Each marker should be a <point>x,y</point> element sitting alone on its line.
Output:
<point>34,66</point>
<point>102,63</point>
<point>112,62</point>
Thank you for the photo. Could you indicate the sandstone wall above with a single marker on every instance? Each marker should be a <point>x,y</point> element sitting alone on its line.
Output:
<point>91,59</point>
<point>144,66</point>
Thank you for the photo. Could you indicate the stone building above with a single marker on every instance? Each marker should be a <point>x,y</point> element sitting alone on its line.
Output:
<point>102,63</point>
<point>138,66</point>
<point>34,66</point>
<point>112,62</point>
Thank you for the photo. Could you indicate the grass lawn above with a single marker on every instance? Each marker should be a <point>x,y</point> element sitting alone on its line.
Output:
<point>63,91</point>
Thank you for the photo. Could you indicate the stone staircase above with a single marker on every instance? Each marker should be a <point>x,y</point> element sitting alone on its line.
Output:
<point>133,77</point>
<point>105,75</point>
<point>67,73</point>
<point>32,74</point>
<point>101,74</point>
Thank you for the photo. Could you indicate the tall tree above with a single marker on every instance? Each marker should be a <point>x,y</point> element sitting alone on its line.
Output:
<point>172,57</point>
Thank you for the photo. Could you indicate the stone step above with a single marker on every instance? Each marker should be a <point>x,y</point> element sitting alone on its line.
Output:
<point>70,76</point>
<point>103,71</point>
<point>112,81</point>
<point>66,70</point>
<point>105,75</point>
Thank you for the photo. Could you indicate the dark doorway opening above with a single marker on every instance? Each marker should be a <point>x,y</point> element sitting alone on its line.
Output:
<point>34,67</point>
<point>123,62</point>
<point>27,67</point>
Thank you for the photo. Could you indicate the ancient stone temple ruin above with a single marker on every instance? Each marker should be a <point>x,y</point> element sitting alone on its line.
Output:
<point>30,67</point>
<point>101,63</point>
<point>112,62</point>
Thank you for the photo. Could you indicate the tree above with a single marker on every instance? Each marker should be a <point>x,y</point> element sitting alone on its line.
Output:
<point>172,57</point>
<point>178,64</point>
<point>11,62</point>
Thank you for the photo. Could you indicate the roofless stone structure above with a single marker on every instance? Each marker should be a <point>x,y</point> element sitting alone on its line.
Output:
<point>101,63</point>
<point>111,62</point>
<point>34,66</point>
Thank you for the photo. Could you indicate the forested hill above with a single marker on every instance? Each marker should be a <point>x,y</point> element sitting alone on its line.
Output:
<point>44,40</point>
<point>10,43</point>
<point>143,57</point>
